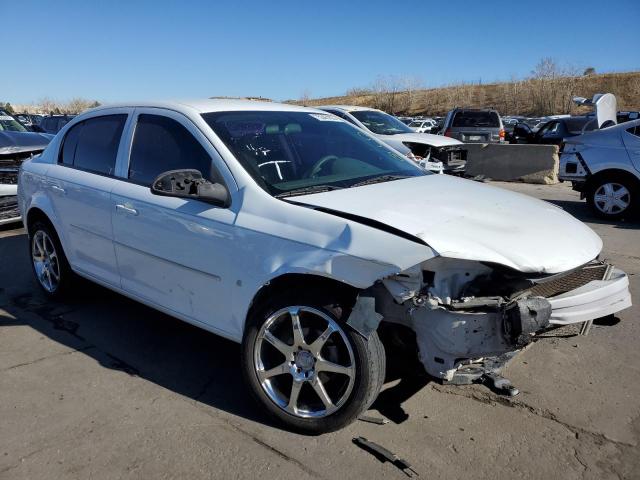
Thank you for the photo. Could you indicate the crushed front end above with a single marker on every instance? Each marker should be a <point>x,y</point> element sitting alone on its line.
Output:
<point>471,317</point>
<point>10,161</point>
<point>453,158</point>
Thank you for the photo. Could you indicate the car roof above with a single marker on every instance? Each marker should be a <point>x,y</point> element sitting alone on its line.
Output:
<point>209,105</point>
<point>348,108</point>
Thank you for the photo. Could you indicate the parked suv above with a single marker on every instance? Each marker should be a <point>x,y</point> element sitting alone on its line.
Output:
<point>308,241</point>
<point>474,125</point>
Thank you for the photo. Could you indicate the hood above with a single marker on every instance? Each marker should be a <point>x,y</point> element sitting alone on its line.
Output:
<point>427,138</point>
<point>12,142</point>
<point>472,221</point>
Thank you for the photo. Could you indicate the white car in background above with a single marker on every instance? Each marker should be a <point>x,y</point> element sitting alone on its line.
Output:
<point>289,231</point>
<point>423,126</point>
<point>435,153</point>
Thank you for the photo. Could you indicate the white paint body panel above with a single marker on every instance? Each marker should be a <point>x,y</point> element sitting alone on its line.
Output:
<point>469,220</point>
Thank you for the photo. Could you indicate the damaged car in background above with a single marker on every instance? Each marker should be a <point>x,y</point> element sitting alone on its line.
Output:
<point>312,243</point>
<point>16,145</point>
<point>434,153</point>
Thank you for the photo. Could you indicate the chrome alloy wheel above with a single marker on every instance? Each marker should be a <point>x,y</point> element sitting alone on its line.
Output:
<point>612,198</point>
<point>304,362</point>
<point>45,261</point>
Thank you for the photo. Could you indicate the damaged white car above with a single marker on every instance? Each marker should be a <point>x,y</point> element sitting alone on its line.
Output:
<point>303,238</point>
<point>434,153</point>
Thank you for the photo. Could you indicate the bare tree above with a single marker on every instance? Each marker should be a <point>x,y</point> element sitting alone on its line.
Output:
<point>76,105</point>
<point>305,97</point>
<point>48,105</point>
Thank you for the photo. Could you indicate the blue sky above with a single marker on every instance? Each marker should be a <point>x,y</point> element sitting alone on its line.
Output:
<point>124,50</point>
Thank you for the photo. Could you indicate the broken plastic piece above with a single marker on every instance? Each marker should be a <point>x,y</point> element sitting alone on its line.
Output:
<point>500,384</point>
<point>385,455</point>
<point>364,319</point>
<point>376,420</point>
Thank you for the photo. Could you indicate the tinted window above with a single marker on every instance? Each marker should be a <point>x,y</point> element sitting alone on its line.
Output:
<point>69,145</point>
<point>575,125</point>
<point>467,118</point>
<point>161,144</point>
<point>97,144</point>
<point>634,130</point>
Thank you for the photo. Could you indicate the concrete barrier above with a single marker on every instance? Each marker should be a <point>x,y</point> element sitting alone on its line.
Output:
<point>513,163</point>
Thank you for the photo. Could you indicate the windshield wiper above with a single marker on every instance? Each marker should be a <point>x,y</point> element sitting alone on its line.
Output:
<point>380,179</point>
<point>308,190</point>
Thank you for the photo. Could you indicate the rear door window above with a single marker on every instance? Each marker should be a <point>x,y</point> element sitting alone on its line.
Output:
<point>476,119</point>
<point>161,144</point>
<point>92,145</point>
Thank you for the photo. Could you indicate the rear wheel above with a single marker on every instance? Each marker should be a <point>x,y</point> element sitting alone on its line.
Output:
<point>612,195</point>
<point>308,369</point>
<point>48,261</point>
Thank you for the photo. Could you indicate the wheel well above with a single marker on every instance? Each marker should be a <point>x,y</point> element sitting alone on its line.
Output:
<point>613,172</point>
<point>36,214</point>
<point>291,282</point>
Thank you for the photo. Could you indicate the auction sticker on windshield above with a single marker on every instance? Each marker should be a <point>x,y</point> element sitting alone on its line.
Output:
<point>325,117</point>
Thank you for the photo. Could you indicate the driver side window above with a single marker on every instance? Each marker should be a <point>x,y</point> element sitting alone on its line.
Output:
<point>161,144</point>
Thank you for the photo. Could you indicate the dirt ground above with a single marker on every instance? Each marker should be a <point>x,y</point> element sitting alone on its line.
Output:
<point>102,387</point>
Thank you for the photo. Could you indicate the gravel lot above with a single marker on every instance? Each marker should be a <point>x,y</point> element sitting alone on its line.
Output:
<point>106,388</point>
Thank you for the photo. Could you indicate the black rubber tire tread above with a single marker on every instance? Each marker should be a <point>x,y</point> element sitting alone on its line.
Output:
<point>67,276</point>
<point>369,355</point>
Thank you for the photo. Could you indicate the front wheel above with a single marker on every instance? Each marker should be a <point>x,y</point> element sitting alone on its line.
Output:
<point>308,369</point>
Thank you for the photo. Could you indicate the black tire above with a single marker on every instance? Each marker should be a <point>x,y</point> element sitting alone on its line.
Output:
<point>370,362</point>
<point>66,275</point>
<point>596,185</point>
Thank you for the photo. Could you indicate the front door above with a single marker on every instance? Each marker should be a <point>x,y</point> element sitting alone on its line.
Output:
<point>176,253</point>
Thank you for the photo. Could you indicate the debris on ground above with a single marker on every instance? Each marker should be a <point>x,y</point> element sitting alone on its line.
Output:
<point>385,455</point>
<point>376,420</point>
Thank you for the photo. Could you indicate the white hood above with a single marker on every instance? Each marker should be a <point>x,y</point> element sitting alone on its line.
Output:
<point>473,221</point>
<point>426,138</point>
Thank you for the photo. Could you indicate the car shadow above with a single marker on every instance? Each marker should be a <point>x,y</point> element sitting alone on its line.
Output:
<point>124,335</point>
<point>582,212</point>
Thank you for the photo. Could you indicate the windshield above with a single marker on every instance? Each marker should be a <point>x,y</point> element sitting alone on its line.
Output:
<point>10,124</point>
<point>297,152</point>
<point>380,123</point>
<point>415,124</point>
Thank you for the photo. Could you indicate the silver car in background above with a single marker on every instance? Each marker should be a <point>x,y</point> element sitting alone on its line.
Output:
<point>604,166</point>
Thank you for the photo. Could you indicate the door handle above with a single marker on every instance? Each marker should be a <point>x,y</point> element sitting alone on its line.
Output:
<point>59,189</point>
<point>125,209</point>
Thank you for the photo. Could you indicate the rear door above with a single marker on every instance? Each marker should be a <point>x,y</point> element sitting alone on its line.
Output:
<point>176,253</point>
<point>79,186</point>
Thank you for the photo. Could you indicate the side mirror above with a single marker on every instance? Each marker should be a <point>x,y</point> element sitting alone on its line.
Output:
<point>190,184</point>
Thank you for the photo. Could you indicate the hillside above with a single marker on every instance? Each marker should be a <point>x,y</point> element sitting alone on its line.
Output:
<point>527,97</point>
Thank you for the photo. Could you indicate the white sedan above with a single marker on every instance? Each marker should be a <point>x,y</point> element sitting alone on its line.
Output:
<point>435,153</point>
<point>423,126</point>
<point>299,236</point>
